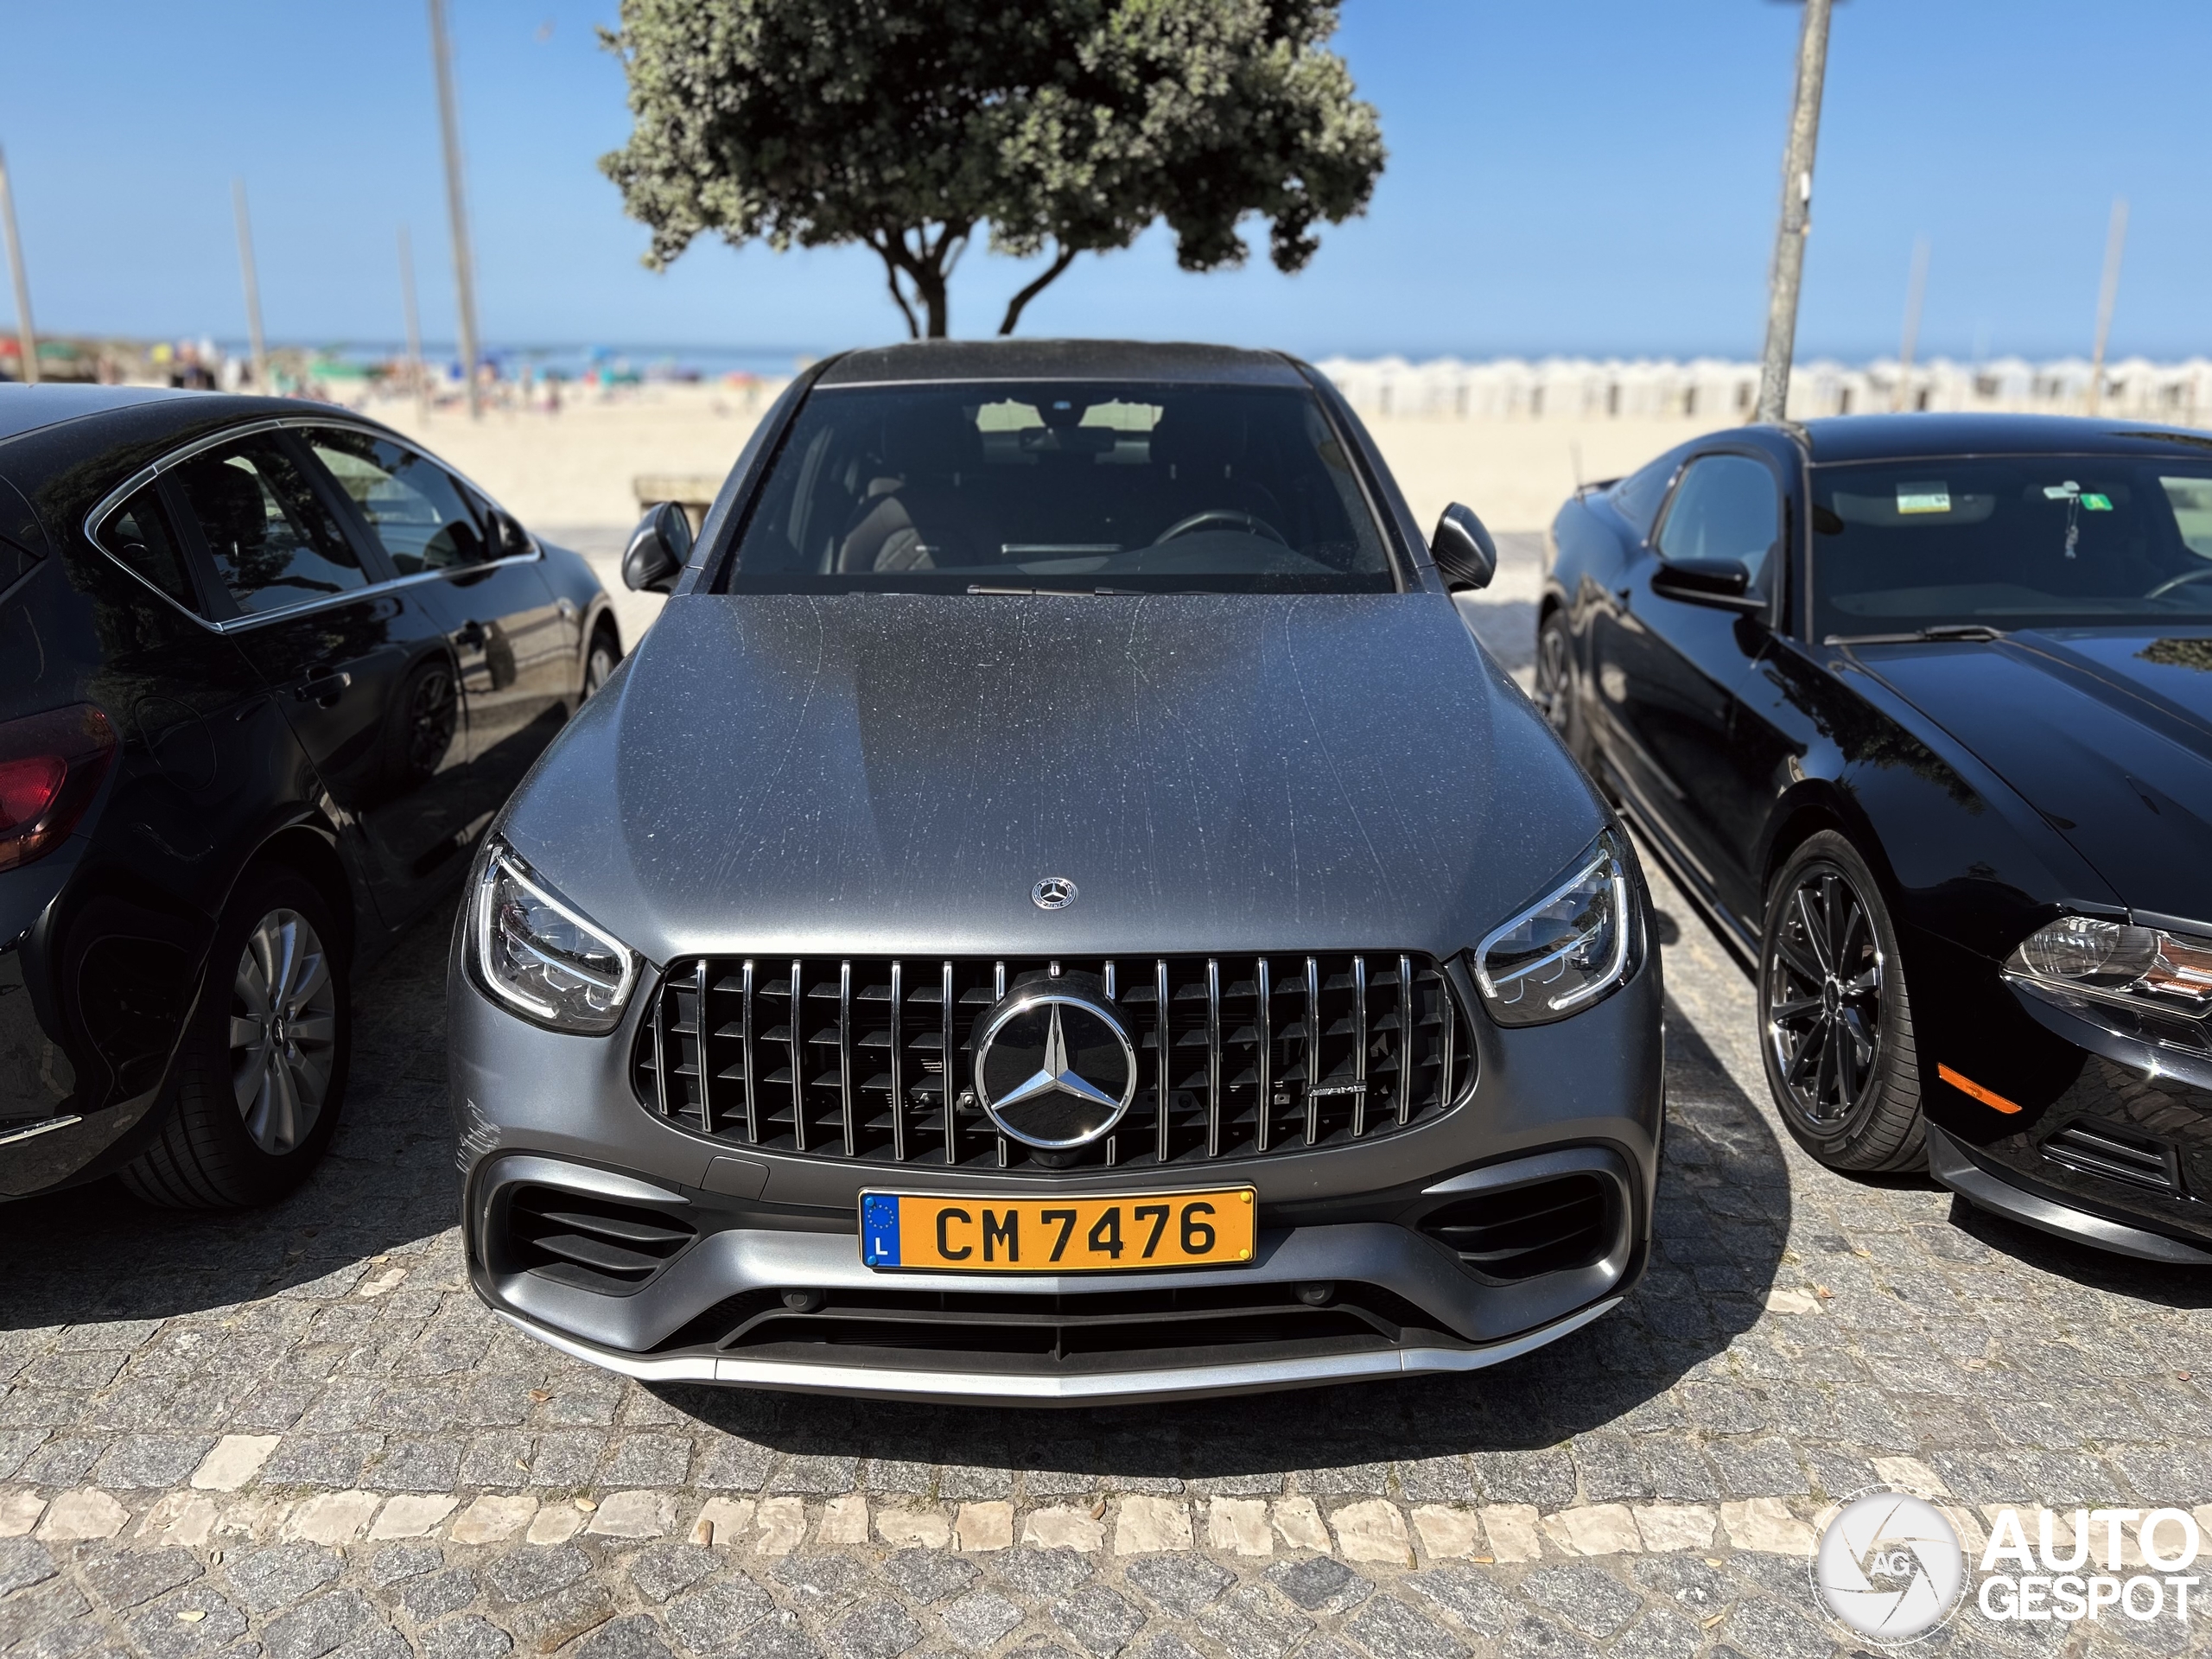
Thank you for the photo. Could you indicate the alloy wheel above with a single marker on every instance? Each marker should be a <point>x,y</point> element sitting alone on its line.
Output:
<point>1554,677</point>
<point>1822,996</point>
<point>597,667</point>
<point>284,1031</point>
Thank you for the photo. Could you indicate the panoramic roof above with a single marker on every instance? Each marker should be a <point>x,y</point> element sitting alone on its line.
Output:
<point>1058,359</point>
<point>1881,437</point>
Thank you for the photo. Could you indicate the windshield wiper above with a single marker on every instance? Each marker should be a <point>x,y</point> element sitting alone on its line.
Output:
<point>1101,593</point>
<point>1941,631</point>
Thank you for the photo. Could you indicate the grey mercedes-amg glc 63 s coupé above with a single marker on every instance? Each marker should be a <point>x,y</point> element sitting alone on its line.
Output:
<point>1058,908</point>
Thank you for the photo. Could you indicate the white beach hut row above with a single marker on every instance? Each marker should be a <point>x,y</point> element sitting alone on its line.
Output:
<point>1719,391</point>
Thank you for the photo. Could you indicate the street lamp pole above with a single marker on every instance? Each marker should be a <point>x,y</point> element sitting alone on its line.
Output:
<point>464,274</point>
<point>414,326</point>
<point>1916,290</point>
<point>253,288</point>
<point>2107,297</point>
<point>1796,212</point>
<point>24,332</point>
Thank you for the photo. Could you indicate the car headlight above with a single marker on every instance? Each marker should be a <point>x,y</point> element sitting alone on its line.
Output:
<point>2085,954</point>
<point>541,957</point>
<point>1566,950</point>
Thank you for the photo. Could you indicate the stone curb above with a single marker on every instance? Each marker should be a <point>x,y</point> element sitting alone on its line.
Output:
<point>1376,1531</point>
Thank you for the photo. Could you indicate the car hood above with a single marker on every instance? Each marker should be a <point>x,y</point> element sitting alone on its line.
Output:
<point>2106,731</point>
<point>894,774</point>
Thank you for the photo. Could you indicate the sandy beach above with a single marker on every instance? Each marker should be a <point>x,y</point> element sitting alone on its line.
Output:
<point>571,475</point>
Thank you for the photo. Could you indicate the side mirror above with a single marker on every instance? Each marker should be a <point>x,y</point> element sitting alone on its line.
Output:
<point>1721,583</point>
<point>1464,555</point>
<point>659,549</point>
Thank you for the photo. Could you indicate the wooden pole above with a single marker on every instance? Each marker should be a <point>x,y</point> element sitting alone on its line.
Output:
<point>25,333</point>
<point>1916,289</point>
<point>1789,268</point>
<point>252,288</point>
<point>2107,297</point>
<point>464,274</point>
<point>414,328</point>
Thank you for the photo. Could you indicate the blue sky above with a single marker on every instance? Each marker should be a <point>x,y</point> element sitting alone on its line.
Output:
<point>1594,176</point>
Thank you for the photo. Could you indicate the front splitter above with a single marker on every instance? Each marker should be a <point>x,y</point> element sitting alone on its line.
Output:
<point>1113,1388</point>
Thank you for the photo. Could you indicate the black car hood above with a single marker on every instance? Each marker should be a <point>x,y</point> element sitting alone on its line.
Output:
<point>880,774</point>
<point>2106,731</point>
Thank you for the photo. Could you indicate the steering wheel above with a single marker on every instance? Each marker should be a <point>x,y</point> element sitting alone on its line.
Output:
<point>1251,524</point>
<point>2181,581</point>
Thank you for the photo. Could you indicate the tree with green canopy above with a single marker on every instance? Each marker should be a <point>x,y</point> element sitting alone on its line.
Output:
<point>1060,126</point>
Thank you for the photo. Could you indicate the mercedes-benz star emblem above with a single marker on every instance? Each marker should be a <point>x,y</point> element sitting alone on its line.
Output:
<point>1053,893</point>
<point>1054,1067</point>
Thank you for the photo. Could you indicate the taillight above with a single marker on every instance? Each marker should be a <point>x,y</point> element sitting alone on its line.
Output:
<point>50,768</point>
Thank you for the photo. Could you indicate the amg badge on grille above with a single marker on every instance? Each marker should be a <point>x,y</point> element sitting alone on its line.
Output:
<point>1054,1065</point>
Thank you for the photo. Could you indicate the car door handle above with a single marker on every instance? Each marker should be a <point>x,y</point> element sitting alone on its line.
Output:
<point>323,689</point>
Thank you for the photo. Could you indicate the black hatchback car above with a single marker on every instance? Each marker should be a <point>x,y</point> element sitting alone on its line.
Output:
<point>1918,710</point>
<point>266,672</point>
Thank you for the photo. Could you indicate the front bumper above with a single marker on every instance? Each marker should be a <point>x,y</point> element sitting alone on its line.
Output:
<point>546,1116</point>
<point>2111,1144</point>
<point>2010,1193</point>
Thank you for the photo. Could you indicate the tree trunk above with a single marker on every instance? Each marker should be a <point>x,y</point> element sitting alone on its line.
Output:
<point>930,289</point>
<point>1016,305</point>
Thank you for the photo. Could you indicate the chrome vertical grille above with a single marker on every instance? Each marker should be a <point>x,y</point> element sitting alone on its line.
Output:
<point>1237,1056</point>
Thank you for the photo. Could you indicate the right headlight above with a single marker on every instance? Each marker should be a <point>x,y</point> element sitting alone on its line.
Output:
<point>541,957</point>
<point>1569,948</point>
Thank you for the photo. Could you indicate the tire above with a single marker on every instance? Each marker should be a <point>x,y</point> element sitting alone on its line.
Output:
<point>599,661</point>
<point>1835,1018</point>
<point>253,1109</point>
<point>1555,682</point>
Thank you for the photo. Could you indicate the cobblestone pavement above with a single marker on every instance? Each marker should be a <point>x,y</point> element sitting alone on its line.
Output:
<point>295,1434</point>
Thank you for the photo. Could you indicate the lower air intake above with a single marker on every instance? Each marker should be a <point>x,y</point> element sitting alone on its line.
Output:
<point>1546,1227</point>
<point>591,1244</point>
<point>2117,1154</point>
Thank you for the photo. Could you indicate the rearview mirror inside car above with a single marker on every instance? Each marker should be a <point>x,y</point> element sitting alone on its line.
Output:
<point>1465,557</point>
<point>1722,583</point>
<point>659,549</point>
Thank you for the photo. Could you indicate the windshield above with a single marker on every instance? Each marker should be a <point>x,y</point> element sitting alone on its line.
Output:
<point>1077,487</point>
<point>2029,541</point>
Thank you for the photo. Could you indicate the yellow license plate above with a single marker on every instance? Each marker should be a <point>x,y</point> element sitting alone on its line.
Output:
<point>1076,1234</point>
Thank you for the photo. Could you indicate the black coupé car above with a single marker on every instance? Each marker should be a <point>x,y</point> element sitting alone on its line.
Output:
<point>266,672</point>
<point>1918,710</point>
<point>1060,908</point>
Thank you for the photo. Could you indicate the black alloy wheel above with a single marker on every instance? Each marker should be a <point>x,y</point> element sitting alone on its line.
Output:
<point>1834,1021</point>
<point>599,662</point>
<point>1554,682</point>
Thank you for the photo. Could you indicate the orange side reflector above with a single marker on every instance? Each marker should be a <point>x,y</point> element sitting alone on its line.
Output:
<point>1989,1097</point>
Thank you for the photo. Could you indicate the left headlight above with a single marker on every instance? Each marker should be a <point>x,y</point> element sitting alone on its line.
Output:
<point>1569,948</point>
<point>2112,959</point>
<point>541,957</point>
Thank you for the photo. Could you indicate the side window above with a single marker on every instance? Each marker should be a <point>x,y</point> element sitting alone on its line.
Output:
<point>1638,495</point>
<point>1725,507</point>
<point>138,534</point>
<point>414,506</point>
<point>273,541</point>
